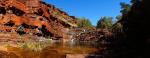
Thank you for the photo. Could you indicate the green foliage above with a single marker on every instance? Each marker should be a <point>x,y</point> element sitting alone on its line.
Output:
<point>49,37</point>
<point>84,23</point>
<point>125,8</point>
<point>20,30</point>
<point>105,22</point>
<point>118,27</point>
<point>30,44</point>
<point>135,1</point>
<point>118,17</point>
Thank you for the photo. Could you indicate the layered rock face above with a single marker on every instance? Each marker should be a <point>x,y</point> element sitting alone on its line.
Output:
<point>36,17</point>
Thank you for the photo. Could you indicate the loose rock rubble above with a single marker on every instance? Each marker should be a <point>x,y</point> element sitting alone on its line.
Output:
<point>93,35</point>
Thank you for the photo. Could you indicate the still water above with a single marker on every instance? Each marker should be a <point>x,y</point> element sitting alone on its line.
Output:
<point>54,49</point>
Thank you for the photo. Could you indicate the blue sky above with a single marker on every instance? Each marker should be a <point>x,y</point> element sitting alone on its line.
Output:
<point>91,9</point>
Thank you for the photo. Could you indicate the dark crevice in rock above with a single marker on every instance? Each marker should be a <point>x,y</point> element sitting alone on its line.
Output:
<point>40,12</point>
<point>29,26</point>
<point>16,11</point>
<point>10,23</point>
<point>31,16</point>
<point>45,31</point>
<point>2,10</point>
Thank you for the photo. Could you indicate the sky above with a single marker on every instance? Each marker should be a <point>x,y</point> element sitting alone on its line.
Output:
<point>91,9</point>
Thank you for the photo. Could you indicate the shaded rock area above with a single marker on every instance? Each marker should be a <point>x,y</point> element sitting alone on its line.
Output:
<point>34,17</point>
<point>102,38</point>
<point>136,27</point>
<point>93,35</point>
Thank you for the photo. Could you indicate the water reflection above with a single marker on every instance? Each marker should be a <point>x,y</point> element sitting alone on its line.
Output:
<point>73,44</point>
<point>56,49</point>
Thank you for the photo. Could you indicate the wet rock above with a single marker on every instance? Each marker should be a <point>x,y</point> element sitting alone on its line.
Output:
<point>50,52</point>
<point>4,54</point>
<point>76,55</point>
<point>83,56</point>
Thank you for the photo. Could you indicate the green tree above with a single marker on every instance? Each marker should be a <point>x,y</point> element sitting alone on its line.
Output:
<point>118,17</point>
<point>125,8</point>
<point>84,23</point>
<point>118,25</point>
<point>105,22</point>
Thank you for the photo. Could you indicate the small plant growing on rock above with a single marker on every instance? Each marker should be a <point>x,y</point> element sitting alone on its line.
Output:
<point>32,45</point>
<point>20,30</point>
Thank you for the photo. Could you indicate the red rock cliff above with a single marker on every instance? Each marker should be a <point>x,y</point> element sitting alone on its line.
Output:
<point>34,16</point>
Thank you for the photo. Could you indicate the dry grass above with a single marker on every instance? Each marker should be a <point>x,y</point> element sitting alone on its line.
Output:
<point>27,48</point>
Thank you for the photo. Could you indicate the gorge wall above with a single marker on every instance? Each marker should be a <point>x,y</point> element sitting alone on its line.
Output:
<point>36,17</point>
<point>136,27</point>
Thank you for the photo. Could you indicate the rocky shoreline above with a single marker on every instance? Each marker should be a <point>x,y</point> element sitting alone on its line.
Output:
<point>13,40</point>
